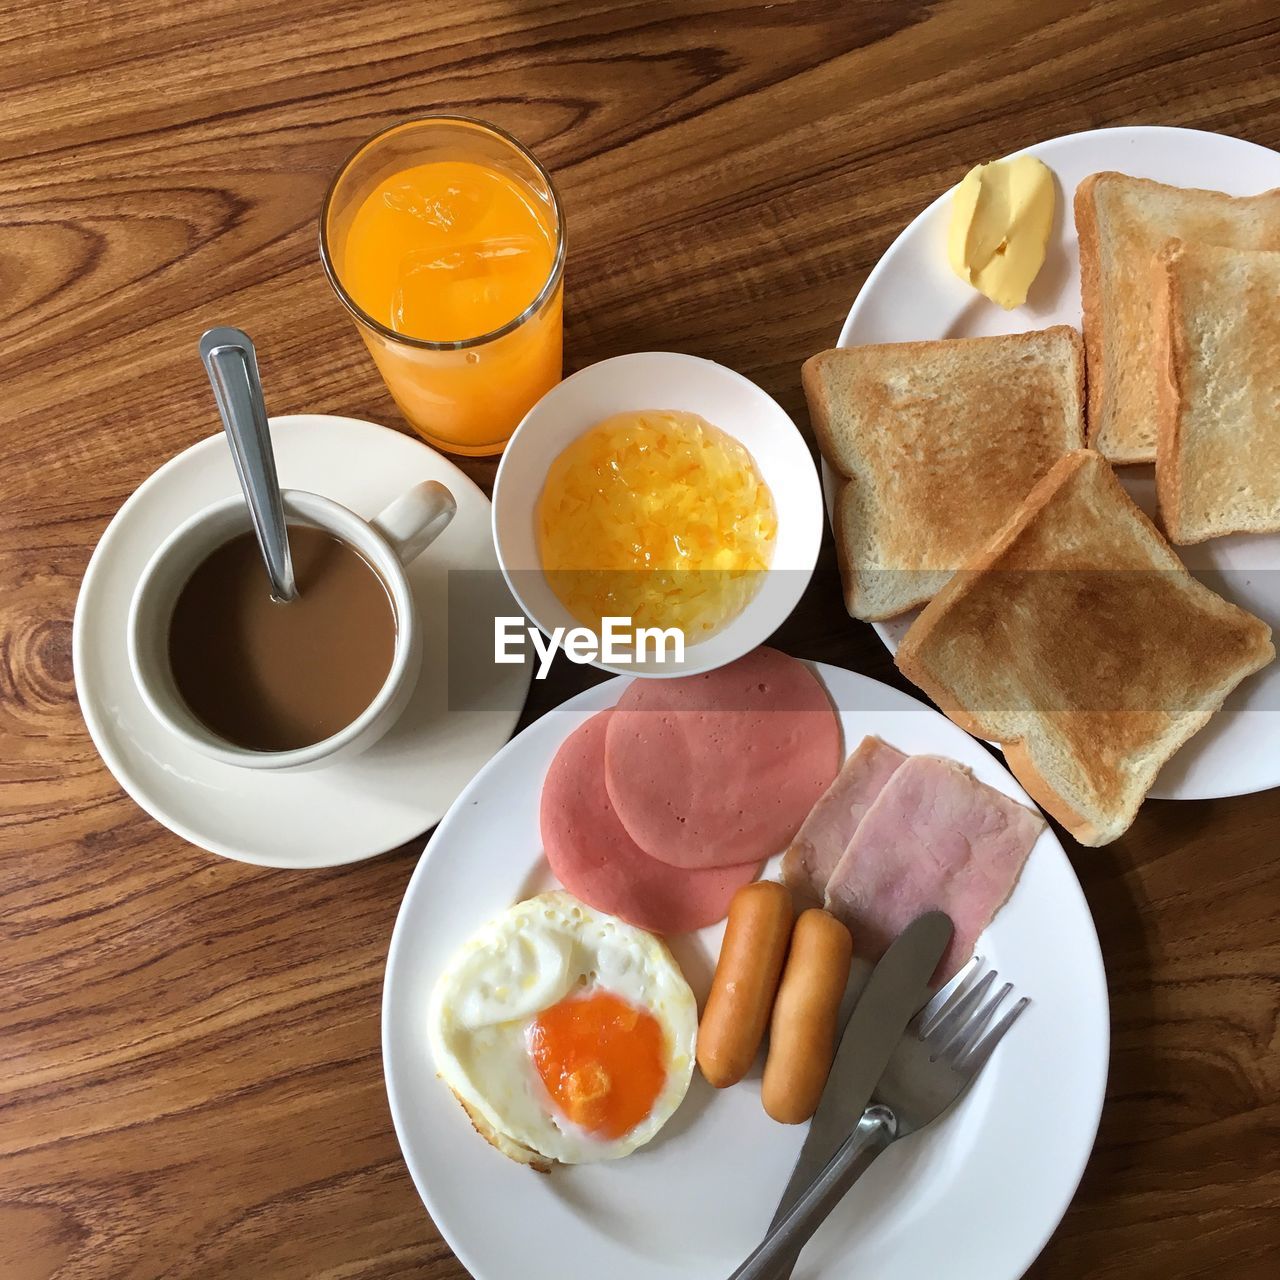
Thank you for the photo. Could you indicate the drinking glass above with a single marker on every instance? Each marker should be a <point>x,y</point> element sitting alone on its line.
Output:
<point>465,396</point>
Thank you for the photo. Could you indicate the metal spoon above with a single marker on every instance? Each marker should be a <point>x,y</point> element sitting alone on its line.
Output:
<point>232,365</point>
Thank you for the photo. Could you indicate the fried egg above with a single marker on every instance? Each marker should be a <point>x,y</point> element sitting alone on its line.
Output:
<point>567,1034</point>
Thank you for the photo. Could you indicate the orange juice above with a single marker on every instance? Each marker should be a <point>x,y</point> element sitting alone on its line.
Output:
<point>446,251</point>
<point>451,267</point>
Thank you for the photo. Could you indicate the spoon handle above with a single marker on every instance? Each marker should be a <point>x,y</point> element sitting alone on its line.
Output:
<point>232,365</point>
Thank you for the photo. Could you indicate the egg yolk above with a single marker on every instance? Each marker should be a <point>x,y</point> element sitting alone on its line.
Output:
<point>601,1059</point>
<point>659,517</point>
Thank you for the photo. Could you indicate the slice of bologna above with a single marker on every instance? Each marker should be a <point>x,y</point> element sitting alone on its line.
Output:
<point>594,858</point>
<point>721,768</point>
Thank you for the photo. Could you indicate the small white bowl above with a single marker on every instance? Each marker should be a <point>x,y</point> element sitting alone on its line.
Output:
<point>663,380</point>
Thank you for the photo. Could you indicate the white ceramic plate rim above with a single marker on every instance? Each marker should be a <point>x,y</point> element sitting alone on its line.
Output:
<point>1171,784</point>
<point>96,717</point>
<point>405,1078</point>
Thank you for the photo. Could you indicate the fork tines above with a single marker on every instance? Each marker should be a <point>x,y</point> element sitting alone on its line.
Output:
<point>956,1024</point>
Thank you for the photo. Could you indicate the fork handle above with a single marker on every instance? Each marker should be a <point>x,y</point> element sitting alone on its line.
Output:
<point>776,1254</point>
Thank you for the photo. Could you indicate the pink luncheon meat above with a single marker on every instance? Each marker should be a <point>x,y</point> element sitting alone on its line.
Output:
<point>935,837</point>
<point>825,833</point>
<point>722,768</point>
<point>594,858</point>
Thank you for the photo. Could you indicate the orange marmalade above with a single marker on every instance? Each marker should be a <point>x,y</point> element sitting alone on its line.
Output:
<point>659,517</point>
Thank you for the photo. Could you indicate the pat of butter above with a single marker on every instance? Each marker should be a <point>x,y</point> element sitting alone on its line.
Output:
<point>1000,220</point>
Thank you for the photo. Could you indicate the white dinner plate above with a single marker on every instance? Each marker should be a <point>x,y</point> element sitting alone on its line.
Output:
<point>973,1198</point>
<point>463,709</point>
<point>912,294</point>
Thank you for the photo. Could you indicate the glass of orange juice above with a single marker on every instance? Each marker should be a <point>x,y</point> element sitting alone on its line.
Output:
<point>444,238</point>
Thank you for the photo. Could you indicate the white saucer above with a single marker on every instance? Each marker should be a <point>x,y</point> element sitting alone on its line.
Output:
<point>464,708</point>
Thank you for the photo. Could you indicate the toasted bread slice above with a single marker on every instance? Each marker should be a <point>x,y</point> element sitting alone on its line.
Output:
<point>1079,641</point>
<point>1122,223</point>
<point>1217,349</point>
<point>936,443</point>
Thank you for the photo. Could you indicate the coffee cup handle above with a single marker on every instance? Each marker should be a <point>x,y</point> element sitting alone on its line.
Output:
<point>416,519</point>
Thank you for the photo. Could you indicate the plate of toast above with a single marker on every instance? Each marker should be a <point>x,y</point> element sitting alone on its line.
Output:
<point>1063,515</point>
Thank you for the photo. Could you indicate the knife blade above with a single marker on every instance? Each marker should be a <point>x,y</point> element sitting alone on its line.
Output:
<point>896,988</point>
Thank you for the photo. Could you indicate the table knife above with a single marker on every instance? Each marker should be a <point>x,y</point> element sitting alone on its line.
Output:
<point>898,986</point>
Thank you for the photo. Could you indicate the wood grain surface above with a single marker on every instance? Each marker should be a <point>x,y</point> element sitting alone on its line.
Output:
<point>191,1078</point>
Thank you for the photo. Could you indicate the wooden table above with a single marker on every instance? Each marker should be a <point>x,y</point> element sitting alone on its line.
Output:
<point>191,1078</point>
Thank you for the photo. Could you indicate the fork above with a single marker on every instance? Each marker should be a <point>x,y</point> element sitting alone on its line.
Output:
<point>939,1056</point>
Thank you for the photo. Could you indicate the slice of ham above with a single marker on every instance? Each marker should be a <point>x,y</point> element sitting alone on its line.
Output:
<point>935,838</point>
<point>722,768</point>
<point>825,833</point>
<point>594,858</point>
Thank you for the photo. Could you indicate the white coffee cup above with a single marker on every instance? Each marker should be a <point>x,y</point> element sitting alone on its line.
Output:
<point>389,542</point>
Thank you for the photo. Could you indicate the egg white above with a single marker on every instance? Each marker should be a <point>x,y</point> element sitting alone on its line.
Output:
<point>524,961</point>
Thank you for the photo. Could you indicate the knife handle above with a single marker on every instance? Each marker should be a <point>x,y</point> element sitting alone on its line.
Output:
<point>775,1256</point>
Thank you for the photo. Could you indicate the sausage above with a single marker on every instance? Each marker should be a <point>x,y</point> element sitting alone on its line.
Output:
<point>802,1034</point>
<point>746,979</point>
